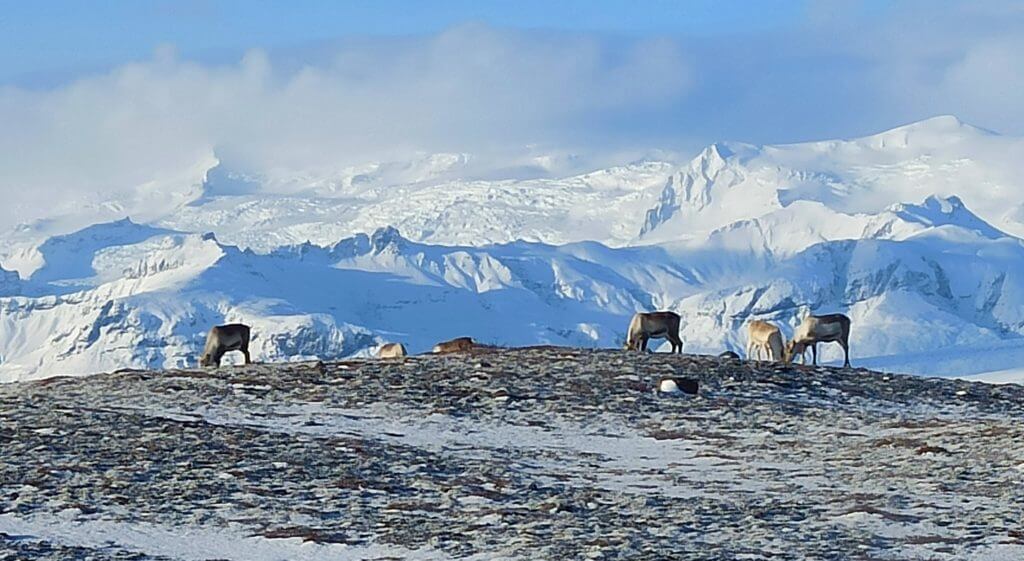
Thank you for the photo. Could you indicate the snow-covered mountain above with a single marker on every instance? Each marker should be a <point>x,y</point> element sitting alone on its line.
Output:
<point>913,232</point>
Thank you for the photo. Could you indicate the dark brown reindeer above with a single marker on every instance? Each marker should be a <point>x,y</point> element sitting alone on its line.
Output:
<point>653,325</point>
<point>457,345</point>
<point>224,338</point>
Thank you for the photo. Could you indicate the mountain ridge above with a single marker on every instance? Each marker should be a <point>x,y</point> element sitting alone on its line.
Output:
<point>739,236</point>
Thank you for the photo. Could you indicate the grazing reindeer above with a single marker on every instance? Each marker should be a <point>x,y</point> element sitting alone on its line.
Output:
<point>458,345</point>
<point>653,325</point>
<point>391,350</point>
<point>224,338</point>
<point>763,336</point>
<point>820,329</point>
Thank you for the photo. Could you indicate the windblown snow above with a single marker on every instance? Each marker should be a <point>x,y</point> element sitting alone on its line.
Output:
<point>915,233</point>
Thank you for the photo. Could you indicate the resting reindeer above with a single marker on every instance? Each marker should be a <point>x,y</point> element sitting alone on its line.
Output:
<point>224,338</point>
<point>763,336</point>
<point>820,329</point>
<point>653,325</point>
<point>458,345</point>
<point>391,350</point>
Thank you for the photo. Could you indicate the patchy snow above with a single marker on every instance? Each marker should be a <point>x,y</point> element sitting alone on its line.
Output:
<point>187,543</point>
<point>545,453</point>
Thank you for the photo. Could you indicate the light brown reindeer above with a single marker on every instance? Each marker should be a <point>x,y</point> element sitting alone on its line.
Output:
<point>764,337</point>
<point>392,350</point>
<point>820,329</point>
<point>653,325</point>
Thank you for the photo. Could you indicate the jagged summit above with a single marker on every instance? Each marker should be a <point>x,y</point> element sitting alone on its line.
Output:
<point>732,182</point>
<point>904,219</point>
<point>385,238</point>
<point>693,189</point>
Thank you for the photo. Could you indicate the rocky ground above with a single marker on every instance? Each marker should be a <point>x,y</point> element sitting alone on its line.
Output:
<point>540,453</point>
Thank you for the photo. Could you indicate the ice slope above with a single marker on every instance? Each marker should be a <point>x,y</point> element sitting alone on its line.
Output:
<point>594,206</point>
<point>123,294</point>
<point>827,190</point>
<point>136,296</point>
<point>732,182</point>
<point>913,232</point>
<point>797,195</point>
<point>139,296</point>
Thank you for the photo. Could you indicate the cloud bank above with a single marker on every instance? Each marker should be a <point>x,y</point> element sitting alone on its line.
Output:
<point>478,89</point>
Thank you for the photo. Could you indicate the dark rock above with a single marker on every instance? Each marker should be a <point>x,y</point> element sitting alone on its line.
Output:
<point>687,385</point>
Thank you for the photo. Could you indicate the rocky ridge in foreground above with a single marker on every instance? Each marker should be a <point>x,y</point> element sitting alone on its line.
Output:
<point>545,453</point>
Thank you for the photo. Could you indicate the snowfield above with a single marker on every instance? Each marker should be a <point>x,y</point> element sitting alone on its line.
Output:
<point>914,232</point>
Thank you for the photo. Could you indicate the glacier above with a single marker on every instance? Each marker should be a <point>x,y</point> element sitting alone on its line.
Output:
<point>914,232</point>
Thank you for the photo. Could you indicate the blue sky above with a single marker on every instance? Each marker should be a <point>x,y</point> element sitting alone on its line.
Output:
<point>108,96</point>
<point>46,42</point>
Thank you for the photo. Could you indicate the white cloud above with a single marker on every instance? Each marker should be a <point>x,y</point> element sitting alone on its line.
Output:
<point>468,88</point>
<point>478,89</point>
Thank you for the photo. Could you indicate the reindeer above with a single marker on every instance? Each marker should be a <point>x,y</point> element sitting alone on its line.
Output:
<point>653,325</point>
<point>763,336</point>
<point>458,345</point>
<point>391,350</point>
<point>820,329</point>
<point>224,338</point>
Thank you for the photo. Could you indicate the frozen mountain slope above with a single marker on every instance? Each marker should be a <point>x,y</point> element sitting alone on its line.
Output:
<point>148,302</point>
<point>600,205</point>
<point>914,232</point>
<point>128,295</point>
<point>144,297</point>
<point>729,182</point>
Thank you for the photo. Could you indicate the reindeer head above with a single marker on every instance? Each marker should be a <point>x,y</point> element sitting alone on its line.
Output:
<point>792,349</point>
<point>207,360</point>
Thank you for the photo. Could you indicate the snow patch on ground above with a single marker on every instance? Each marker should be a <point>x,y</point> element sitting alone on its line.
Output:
<point>194,543</point>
